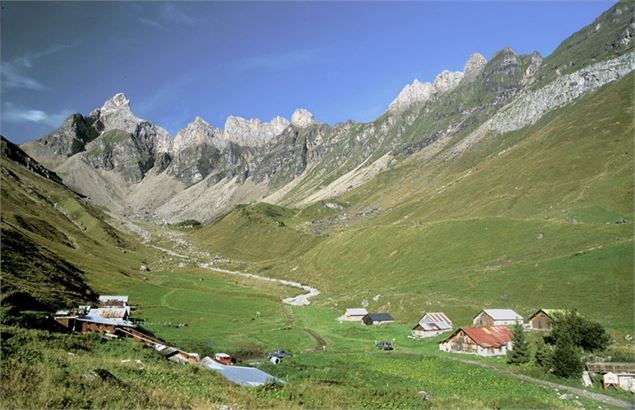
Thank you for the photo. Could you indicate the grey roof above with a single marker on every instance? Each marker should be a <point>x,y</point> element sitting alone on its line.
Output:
<point>436,317</point>
<point>105,321</point>
<point>356,312</point>
<point>379,317</point>
<point>109,312</point>
<point>502,314</point>
<point>245,376</point>
<point>118,298</point>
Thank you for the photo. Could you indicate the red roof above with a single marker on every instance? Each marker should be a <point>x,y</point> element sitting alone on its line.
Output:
<point>489,336</point>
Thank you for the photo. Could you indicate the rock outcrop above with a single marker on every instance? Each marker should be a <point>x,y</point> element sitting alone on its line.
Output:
<point>473,67</point>
<point>529,109</point>
<point>69,139</point>
<point>419,92</point>
<point>302,118</point>
<point>253,132</point>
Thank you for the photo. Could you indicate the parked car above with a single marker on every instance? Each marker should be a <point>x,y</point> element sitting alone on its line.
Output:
<point>279,353</point>
<point>385,346</point>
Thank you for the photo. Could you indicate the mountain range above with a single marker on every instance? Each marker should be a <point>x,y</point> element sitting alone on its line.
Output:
<point>135,168</point>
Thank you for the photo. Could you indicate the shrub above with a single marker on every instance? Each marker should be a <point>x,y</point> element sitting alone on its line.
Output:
<point>587,334</point>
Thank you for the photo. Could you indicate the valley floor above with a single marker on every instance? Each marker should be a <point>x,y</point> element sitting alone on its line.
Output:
<point>335,365</point>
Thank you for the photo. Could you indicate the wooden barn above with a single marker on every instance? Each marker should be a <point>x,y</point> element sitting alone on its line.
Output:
<point>432,324</point>
<point>377,319</point>
<point>353,315</point>
<point>542,320</point>
<point>497,317</point>
<point>482,341</point>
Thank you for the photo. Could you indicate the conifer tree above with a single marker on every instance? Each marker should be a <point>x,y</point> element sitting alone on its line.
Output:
<point>520,352</point>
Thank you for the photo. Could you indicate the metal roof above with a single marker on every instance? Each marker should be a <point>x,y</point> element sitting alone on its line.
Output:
<point>110,312</point>
<point>489,336</point>
<point>435,317</point>
<point>118,298</point>
<point>105,321</point>
<point>379,317</point>
<point>245,376</point>
<point>502,314</point>
<point>356,312</point>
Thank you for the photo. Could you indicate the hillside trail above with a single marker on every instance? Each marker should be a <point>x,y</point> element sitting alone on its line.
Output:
<point>560,387</point>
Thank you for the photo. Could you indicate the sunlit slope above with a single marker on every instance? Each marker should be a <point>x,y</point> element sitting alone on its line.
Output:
<point>256,232</point>
<point>528,219</point>
<point>542,217</point>
<point>56,247</point>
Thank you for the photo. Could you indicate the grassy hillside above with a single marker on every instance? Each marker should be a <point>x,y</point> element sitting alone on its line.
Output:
<point>57,249</point>
<point>542,217</point>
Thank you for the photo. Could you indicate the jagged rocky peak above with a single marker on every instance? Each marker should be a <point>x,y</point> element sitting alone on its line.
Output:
<point>253,132</point>
<point>447,81</point>
<point>411,93</point>
<point>302,118</point>
<point>473,66</point>
<point>419,92</point>
<point>116,114</point>
<point>197,132</point>
<point>116,103</point>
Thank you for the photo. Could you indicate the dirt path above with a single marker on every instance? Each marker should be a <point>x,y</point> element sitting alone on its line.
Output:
<point>580,392</point>
<point>321,343</point>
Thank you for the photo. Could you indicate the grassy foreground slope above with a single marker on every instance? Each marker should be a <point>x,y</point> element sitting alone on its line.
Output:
<point>56,247</point>
<point>542,217</point>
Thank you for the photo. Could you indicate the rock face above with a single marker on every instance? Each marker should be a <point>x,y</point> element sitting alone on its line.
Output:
<point>447,81</point>
<point>69,139</point>
<point>528,110</point>
<point>253,132</point>
<point>115,114</point>
<point>419,92</point>
<point>473,67</point>
<point>302,118</point>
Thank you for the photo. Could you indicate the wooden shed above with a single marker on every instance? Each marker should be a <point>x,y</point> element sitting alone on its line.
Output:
<point>432,324</point>
<point>542,320</point>
<point>482,341</point>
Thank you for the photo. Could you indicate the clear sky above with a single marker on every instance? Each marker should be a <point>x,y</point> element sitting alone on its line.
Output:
<point>176,61</point>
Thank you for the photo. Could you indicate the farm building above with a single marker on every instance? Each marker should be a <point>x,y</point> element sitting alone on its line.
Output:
<point>619,375</point>
<point>482,341</point>
<point>377,319</point>
<point>542,319</point>
<point>113,300</point>
<point>353,315</point>
<point>100,320</point>
<point>432,324</point>
<point>497,317</point>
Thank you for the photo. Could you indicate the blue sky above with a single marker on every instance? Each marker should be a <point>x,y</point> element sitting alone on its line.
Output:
<point>176,61</point>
